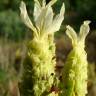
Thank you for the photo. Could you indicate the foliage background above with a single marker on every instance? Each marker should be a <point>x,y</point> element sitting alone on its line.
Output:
<point>14,35</point>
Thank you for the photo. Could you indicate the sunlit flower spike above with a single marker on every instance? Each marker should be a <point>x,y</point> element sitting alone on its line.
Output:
<point>37,79</point>
<point>75,67</point>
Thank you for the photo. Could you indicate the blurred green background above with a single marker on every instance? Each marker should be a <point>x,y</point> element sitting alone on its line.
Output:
<point>14,36</point>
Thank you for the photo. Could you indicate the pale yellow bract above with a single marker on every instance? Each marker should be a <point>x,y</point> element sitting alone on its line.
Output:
<point>75,67</point>
<point>43,17</point>
<point>37,78</point>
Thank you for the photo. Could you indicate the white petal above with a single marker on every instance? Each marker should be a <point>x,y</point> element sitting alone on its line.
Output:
<point>51,2</point>
<point>84,30</point>
<point>55,26</point>
<point>71,34</point>
<point>37,10</point>
<point>25,18</point>
<point>62,11</point>
<point>48,19</point>
<point>45,19</point>
<point>44,3</point>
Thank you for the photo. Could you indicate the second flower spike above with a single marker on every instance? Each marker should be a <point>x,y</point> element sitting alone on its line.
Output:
<point>75,68</point>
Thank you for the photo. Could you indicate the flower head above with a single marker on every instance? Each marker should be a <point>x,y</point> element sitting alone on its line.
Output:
<point>45,22</point>
<point>78,38</point>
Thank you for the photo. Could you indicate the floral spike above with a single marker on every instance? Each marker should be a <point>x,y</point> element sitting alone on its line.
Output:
<point>75,68</point>
<point>39,66</point>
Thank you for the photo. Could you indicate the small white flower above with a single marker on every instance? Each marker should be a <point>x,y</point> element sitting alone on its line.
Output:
<point>43,17</point>
<point>76,38</point>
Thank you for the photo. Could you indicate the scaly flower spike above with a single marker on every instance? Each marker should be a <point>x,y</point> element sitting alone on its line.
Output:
<point>39,66</point>
<point>75,68</point>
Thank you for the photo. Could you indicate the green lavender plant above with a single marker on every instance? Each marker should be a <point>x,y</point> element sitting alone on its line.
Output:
<point>39,66</point>
<point>75,68</point>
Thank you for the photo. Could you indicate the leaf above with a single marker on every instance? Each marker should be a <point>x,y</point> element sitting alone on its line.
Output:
<point>25,18</point>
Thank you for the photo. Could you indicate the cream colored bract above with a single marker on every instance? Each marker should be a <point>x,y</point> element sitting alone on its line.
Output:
<point>45,22</point>
<point>75,68</point>
<point>37,78</point>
